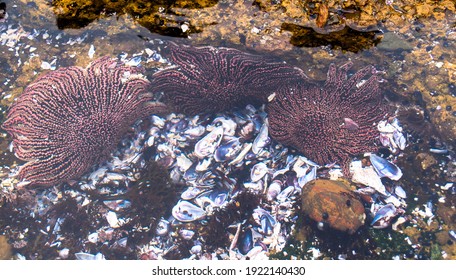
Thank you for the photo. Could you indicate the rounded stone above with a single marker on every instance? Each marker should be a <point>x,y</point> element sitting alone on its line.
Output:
<point>334,203</point>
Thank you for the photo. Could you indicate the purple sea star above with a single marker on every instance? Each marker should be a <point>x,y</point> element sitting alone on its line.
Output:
<point>332,123</point>
<point>72,118</point>
<point>212,80</point>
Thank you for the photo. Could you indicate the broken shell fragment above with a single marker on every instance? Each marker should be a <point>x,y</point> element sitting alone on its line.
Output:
<point>112,219</point>
<point>366,176</point>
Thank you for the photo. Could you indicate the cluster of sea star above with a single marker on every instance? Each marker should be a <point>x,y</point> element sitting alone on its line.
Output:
<point>70,119</point>
<point>327,123</point>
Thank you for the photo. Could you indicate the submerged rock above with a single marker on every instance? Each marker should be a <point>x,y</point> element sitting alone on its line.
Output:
<point>333,203</point>
<point>5,248</point>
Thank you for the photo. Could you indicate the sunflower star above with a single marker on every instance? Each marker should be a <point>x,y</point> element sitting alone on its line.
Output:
<point>72,118</point>
<point>212,80</point>
<point>330,124</point>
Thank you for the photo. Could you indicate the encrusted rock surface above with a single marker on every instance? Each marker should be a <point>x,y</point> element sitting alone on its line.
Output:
<point>333,203</point>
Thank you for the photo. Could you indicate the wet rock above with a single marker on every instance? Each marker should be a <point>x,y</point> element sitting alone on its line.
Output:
<point>156,16</point>
<point>442,237</point>
<point>333,203</point>
<point>392,41</point>
<point>447,214</point>
<point>339,37</point>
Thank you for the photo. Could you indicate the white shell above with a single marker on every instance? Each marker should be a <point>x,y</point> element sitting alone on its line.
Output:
<point>93,237</point>
<point>162,227</point>
<point>244,150</point>
<point>229,126</point>
<point>111,217</point>
<point>284,194</point>
<point>261,140</point>
<point>400,192</point>
<point>183,162</point>
<point>64,253</point>
<point>186,234</point>
<point>111,176</point>
<point>185,211</point>
<point>273,190</point>
<point>196,131</point>
<point>98,174</point>
<point>157,121</point>
<point>366,176</point>
<point>192,192</point>
<point>84,256</point>
<point>258,171</point>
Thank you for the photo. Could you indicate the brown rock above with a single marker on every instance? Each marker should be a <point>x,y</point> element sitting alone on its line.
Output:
<point>426,160</point>
<point>447,214</point>
<point>5,249</point>
<point>442,237</point>
<point>334,203</point>
<point>322,16</point>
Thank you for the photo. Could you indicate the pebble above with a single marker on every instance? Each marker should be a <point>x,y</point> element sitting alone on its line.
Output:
<point>91,51</point>
<point>184,27</point>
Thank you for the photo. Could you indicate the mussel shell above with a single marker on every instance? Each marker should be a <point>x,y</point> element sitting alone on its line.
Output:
<point>262,139</point>
<point>399,139</point>
<point>384,168</point>
<point>186,234</point>
<point>209,143</point>
<point>87,256</point>
<point>117,205</point>
<point>190,174</point>
<point>311,175</point>
<point>285,194</point>
<point>228,150</point>
<point>84,256</point>
<point>258,171</point>
<point>214,197</point>
<point>384,216</point>
<point>162,227</point>
<point>192,192</point>
<point>218,197</point>
<point>245,241</point>
<point>452,235</point>
<point>196,131</point>
<point>400,192</point>
<point>274,189</point>
<point>267,222</point>
<point>229,126</point>
<point>185,211</point>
